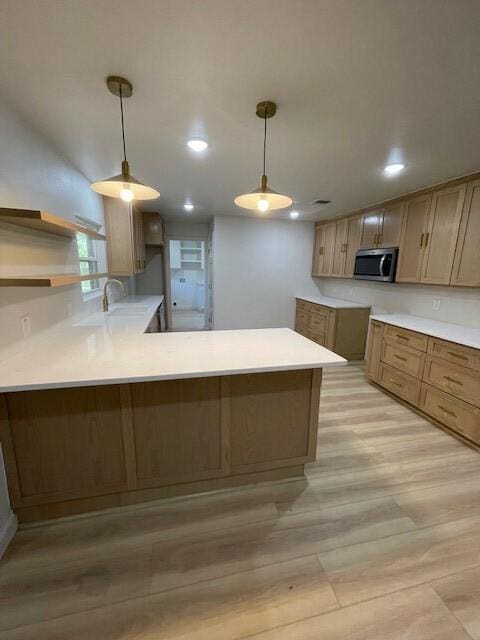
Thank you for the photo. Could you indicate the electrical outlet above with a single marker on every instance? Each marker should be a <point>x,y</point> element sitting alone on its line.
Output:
<point>436,304</point>
<point>25,324</point>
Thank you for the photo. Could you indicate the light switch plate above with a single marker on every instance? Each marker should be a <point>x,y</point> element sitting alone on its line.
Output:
<point>436,304</point>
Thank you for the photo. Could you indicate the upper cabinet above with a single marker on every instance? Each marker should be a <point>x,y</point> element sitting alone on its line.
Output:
<point>415,222</point>
<point>336,244</point>
<point>382,227</point>
<point>339,248</point>
<point>125,238</point>
<point>153,229</point>
<point>324,249</point>
<point>466,265</point>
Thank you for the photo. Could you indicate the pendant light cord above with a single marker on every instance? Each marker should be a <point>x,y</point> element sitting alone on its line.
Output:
<point>123,123</point>
<point>264,138</point>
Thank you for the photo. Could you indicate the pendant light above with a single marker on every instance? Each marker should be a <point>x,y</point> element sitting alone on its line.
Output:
<point>124,185</point>
<point>264,199</point>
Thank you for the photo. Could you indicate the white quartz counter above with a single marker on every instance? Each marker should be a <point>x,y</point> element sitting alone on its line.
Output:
<point>334,303</point>
<point>113,348</point>
<point>444,330</point>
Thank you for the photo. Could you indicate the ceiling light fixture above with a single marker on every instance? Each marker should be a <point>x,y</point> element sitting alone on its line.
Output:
<point>197,145</point>
<point>188,206</point>
<point>294,214</point>
<point>124,185</point>
<point>393,169</point>
<point>263,199</point>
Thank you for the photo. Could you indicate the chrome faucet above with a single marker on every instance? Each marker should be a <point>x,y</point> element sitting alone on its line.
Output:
<point>105,292</point>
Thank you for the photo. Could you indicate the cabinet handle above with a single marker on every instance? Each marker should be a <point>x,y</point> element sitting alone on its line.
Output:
<point>375,238</point>
<point>427,235</point>
<point>453,380</point>
<point>399,357</point>
<point>402,337</point>
<point>380,238</point>
<point>395,382</point>
<point>450,413</point>
<point>320,251</point>
<point>457,355</point>
<point>421,239</point>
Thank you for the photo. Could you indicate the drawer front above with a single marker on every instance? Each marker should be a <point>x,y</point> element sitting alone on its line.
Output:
<point>455,353</point>
<point>457,415</point>
<point>302,318</point>
<point>302,305</point>
<point>403,358</point>
<point>460,382</point>
<point>318,324</point>
<point>406,338</point>
<point>318,338</point>
<point>399,383</point>
<point>302,329</point>
<point>319,311</point>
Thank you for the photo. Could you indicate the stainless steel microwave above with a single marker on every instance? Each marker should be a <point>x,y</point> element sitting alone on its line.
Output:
<point>376,264</point>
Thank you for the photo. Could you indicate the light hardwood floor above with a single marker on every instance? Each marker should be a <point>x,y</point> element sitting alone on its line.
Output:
<point>381,541</point>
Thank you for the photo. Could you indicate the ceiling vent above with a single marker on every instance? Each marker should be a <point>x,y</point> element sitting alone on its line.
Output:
<point>320,201</point>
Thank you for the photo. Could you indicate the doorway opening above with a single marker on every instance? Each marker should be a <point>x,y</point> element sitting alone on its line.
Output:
<point>188,282</point>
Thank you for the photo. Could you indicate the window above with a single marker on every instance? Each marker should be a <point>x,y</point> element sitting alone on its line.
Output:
<point>87,255</point>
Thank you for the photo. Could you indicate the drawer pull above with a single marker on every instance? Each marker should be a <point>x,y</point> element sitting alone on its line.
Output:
<point>399,335</point>
<point>457,355</point>
<point>450,413</point>
<point>453,380</point>
<point>395,382</point>
<point>399,357</point>
<point>421,239</point>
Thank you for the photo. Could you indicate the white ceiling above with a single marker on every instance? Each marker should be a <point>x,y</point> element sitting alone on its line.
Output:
<point>358,83</point>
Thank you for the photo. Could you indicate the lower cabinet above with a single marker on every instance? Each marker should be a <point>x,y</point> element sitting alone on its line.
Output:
<point>82,449</point>
<point>425,372</point>
<point>341,330</point>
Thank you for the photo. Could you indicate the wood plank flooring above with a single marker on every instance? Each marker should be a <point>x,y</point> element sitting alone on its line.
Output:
<point>380,541</point>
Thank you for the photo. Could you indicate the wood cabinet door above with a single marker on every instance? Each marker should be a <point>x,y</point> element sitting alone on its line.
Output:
<point>354,232</point>
<point>318,250</point>
<point>340,248</point>
<point>153,228</point>
<point>138,240</point>
<point>392,217</point>
<point>118,227</point>
<point>329,246</point>
<point>374,349</point>
<point>178,431</point>
<point>466,265</point>
<point>414,227</point>
<point>371,229</point>
<point>442,233</point>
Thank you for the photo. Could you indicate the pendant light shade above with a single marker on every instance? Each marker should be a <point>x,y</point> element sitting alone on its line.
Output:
<point>123,185</point>
<point>264,198</point>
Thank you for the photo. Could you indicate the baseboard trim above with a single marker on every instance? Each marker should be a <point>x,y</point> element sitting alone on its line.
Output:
<point>7,532</point>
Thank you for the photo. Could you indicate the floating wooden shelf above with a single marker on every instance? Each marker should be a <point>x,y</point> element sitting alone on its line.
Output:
<point>44,221</point>
<point>57,280</point>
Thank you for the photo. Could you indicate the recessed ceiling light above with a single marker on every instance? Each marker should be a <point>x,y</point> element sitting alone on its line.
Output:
<point>294,214</point>
<point>188,206</point>
<point>198,145</point>
<point>393,169</point>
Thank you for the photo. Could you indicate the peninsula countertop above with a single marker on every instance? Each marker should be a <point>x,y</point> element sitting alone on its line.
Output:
<point>112,348</point>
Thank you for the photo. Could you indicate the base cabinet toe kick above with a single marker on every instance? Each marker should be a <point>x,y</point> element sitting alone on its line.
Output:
<point>440,379</point>
<point>74,450</point>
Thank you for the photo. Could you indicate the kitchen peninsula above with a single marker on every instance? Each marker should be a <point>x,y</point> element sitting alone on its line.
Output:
<point>118,416</point>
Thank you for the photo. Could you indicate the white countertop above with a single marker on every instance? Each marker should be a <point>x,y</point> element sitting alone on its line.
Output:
<point>112,348</point>
<point>334,303</point>
<point>445,330</point>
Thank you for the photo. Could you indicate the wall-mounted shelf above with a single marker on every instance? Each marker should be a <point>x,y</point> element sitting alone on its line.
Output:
<point>56,280</point>
<point>44,221</point>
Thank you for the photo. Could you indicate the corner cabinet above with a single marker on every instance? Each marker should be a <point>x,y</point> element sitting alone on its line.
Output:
<point>439,378</point>
<point>125,238</point>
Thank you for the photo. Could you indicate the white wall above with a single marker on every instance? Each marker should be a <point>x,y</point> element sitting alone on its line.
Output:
<point>259,266</point>
<point>459,305</point>
<point>33,176</point>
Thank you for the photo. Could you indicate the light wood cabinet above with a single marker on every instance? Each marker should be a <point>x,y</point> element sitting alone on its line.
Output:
<point>441,378</point>
<point>354,230</point>
<point>392,217</point>
<point>153,229</point>
<point>374,349</point>
<point>125,238</point>
<point>414,226</point>
<point>341,330</point>
<point>340,248</point>
<point>371,229</point>
<point>336,245</point>
<point>441,236</point>
<point>323,249</point>
<point>466,265</point>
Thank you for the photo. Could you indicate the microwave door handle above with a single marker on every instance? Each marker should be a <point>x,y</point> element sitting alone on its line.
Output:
<point>382,262</point>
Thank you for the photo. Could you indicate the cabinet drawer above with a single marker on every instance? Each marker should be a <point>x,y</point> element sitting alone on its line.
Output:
<point>406,338</point>
<point>318,338</point>
<point>319,311</point>
<point>302,318</point>
<point>318,324</point>
<point>408,360</point>
<point>302,305</point>
<point>457,415</point>
<point>302,329</point>
<point>460,382</point>
<point>399,383</point>
<point>456,353</point>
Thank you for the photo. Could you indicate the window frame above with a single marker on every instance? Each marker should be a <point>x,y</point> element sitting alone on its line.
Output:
<point>92,260</point>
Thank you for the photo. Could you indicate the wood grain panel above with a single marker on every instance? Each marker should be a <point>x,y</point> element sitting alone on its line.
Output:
<point>374,349</point>
<point>269,419</point>
<point>406,338</point>
<point>392,217</point>
<point>414,228</point>
<point>67,442</point>
<point>408,360</point>
<point>178,430</point>
<point>456,353</point>
<point>459,381</point>
<point>339,251</point>
<point>354,232</point>
<point>466,266</point>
